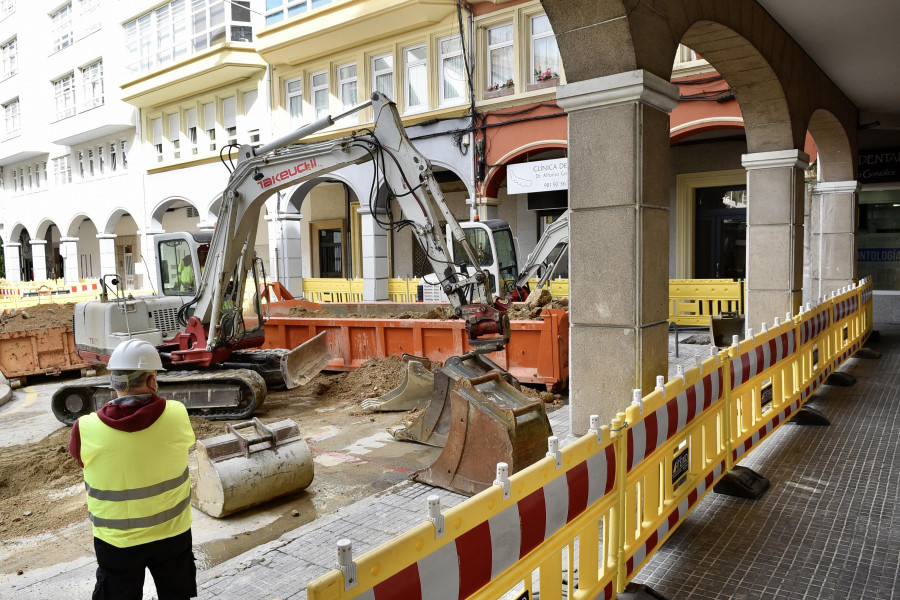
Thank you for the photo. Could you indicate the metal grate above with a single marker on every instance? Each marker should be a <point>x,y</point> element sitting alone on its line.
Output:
<point>166,319</point>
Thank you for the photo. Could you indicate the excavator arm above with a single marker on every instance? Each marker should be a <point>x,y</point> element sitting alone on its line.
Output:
<point>261,172</point>
<point>546,255</point>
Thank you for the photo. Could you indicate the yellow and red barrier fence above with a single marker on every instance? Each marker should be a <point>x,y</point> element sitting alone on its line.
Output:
<point>603,504</point>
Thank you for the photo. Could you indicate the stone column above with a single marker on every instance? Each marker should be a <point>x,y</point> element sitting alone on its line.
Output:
<point>374,257</point>
<point>39,259</point>
<point>68,248</point>
<point>107,253</point>
<point>150,272</point>
<point>488,208</point>
<point>833,220</point>
<point>11,262</point>
<point>286,259</point>
<point>619,229</point>
<point>774,284</point>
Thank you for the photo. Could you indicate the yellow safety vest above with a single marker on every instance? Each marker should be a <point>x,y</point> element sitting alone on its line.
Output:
<point>138,486</point>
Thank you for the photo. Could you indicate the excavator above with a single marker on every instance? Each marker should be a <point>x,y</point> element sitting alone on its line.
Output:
<point>209,341</point>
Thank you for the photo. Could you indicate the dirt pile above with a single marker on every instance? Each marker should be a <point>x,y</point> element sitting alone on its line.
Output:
<point>41,316</point>
<point>34,479</point>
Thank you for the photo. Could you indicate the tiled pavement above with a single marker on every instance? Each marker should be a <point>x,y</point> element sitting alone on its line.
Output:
<point>829,526</point>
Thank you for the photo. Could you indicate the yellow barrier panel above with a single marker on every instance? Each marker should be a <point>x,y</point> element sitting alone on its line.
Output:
<point>333,290</point>
<point>607,501</point>
<point>403,290</point>
<point>693,302</point>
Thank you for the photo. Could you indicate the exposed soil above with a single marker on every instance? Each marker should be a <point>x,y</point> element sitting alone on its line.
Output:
<point>37,317</point>
<point>40,483</point>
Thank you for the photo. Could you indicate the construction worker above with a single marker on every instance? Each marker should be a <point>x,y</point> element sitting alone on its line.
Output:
<point>186,275</point>
<point>134,452</point>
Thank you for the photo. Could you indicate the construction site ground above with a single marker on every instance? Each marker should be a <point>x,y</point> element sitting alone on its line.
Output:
<point>43,515</point>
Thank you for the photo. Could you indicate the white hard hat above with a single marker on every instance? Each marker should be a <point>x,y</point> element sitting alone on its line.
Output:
<point>135,355</point>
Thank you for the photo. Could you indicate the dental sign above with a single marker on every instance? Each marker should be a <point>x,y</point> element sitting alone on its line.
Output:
<point>538,176</point>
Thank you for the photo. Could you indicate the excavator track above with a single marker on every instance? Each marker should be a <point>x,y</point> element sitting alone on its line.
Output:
<point>215,394</point>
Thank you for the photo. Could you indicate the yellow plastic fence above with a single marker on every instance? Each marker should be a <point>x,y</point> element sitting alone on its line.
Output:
<point>693,301</point>
<point>607,501</point>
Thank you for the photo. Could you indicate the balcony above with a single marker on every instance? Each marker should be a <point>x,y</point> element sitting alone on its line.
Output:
<point>92,122</point>
<point>347,24</point>
<point>220,66</point>
<point>18,147</point>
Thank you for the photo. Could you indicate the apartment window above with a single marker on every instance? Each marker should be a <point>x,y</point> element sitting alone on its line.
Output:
<point>7,7</point>
<point>229,119</point>
<point>62,170</point>
<point>452,75</point>
<point>319,88</point>
<point>500,55</point>
<point>11,116</point>
<point>240,13</point>
<point>90,162</point>
<point>88,16</point>
<point>171,27</point>
<point>178,28</point>
<point>383,74</point>
<point>123,151</point>
<point>21,179</point>
<point>416,96</point>
<point>61,28</point>
<point>278,10</point>
<point>156,131</point>
<point>348,90</point>
<point>30,182</point>
<point>44,170</point>
<point>112,157</point>
<point>174,128</point>
<point>10,58</point>
<point>64,94</point>
<point>100,164</point>
<point>80,164</point>
<point>92,84</point>
<point>293,100</point>
<point>209,124</point>
<point>190,118</point>
<point>544,51</point>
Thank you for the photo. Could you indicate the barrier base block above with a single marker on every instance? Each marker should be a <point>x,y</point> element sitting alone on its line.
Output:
<point>841,379</point>
<point>867,353</point>
<point>742,482</point>
<point>639,591</point>
<point>809,416</point>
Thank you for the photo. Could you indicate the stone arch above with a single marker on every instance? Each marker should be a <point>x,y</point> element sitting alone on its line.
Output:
<point>835,158</point>
<point>75,224</point>
<point>159,211</point>
<point>16,231</point>
<point>113,219</point>
<point>759,92</point>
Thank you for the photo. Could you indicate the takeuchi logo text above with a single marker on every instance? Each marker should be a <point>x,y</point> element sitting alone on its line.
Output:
<point>287,173</point>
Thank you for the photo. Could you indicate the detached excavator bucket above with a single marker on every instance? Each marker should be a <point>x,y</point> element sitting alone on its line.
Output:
<point>305,361</point>
<point>413,392</point>
<point>432,425</point>
<point>236,472</point>
<point>491,422</point>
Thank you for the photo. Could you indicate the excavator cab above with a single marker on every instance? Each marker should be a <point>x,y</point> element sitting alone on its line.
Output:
<point>182,257</point>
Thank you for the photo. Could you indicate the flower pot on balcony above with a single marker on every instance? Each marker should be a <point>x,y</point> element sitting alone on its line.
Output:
<point>505,91</point>
<point>544,83</point>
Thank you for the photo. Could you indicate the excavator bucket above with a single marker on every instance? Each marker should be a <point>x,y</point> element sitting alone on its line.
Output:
<point>305,361</point>
<point>236,471</point>
<point>432,425</point>
<point>413,392</point>
<point>491,422</point>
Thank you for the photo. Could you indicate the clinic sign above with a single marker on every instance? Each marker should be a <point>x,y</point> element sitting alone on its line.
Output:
<point>537,176</point>
<point>879,166</point>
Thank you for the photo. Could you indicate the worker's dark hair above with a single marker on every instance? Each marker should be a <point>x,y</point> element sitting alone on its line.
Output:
<point>122,381</point>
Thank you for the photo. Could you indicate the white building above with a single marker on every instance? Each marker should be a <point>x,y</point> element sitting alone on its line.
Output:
<point>115,116</point>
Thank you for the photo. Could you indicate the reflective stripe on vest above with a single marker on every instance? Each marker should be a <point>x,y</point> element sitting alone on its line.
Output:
<point>138,483</point>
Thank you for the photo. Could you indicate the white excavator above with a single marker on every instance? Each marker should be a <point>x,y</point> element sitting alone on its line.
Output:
<point>209,341</point>
<point>493,244</point>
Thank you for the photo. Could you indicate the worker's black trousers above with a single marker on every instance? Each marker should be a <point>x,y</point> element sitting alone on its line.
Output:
<point>120,571</point>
